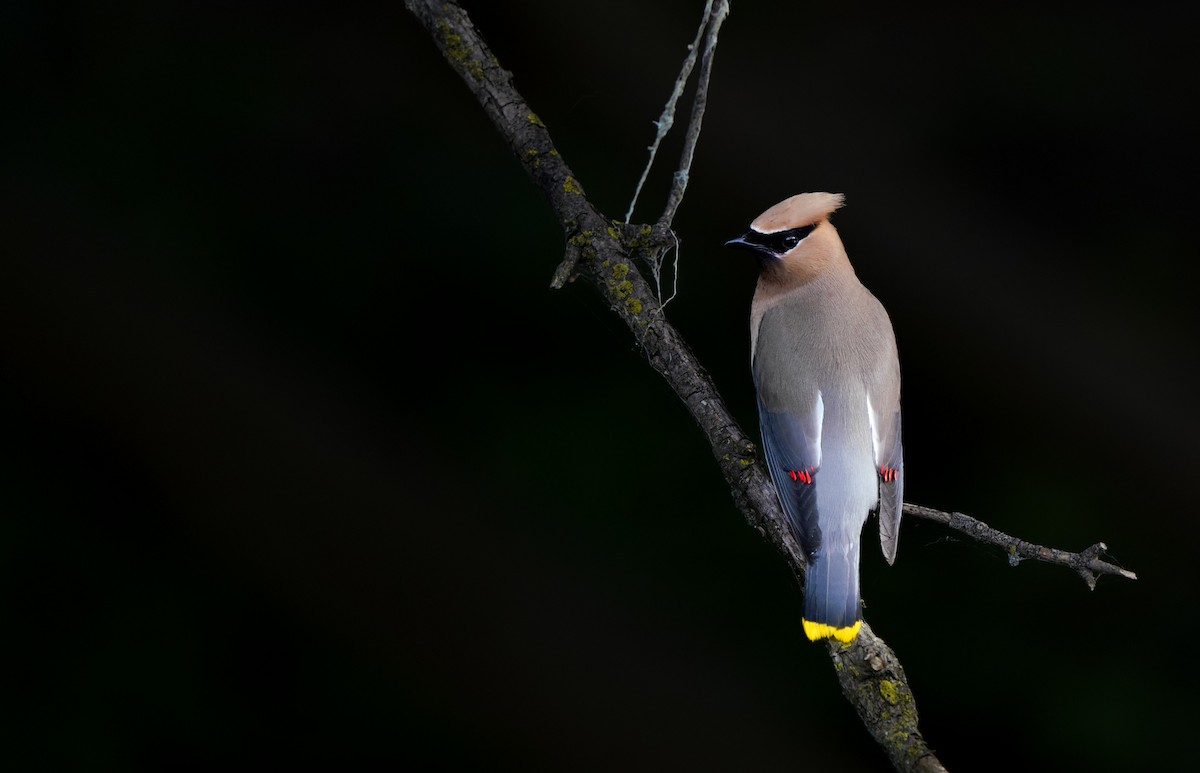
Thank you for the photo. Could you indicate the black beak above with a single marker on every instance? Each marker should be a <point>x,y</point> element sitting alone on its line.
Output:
<point>752,241</point>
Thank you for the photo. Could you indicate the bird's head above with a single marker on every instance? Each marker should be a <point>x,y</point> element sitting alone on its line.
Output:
<point>794,237</point>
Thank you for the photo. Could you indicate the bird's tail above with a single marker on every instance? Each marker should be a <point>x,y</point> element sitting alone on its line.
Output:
<point>831,602</point>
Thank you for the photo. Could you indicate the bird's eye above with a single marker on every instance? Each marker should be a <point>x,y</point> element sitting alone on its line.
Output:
<point>786,241</point>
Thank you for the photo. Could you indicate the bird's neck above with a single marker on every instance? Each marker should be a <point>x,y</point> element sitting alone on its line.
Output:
<point>824,266</point>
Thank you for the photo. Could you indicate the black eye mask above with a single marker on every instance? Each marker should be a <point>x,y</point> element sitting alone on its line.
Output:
<point>776,243</point>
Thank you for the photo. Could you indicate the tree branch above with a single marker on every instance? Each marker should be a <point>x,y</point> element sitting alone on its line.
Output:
<point>1087,562</point>
<point>603,252</point>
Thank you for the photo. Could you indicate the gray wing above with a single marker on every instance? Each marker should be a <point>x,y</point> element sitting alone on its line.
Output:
<point>889,465</point>
<point>792,446</point>
<point>883,407</point>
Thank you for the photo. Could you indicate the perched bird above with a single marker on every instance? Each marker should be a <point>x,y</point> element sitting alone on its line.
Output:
<point>827,377</point>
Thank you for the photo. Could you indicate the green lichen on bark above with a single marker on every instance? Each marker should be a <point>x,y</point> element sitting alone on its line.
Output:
<point>622,289</point>
<point>458,51</point>
<point>582,241</point>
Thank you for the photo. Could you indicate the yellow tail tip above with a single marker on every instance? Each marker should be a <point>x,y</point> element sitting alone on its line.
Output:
<point>816,631</point>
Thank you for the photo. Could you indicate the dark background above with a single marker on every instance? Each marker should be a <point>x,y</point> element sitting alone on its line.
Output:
<point>303,464</point>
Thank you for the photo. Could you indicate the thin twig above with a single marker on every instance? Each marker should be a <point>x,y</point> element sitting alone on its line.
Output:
<point>657,266</point>
<point>679,184</point>
<point>667,119</point>
<point>1087,562</point>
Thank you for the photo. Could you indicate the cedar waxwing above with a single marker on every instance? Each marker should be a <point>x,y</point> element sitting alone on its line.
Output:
<point>827,377</point>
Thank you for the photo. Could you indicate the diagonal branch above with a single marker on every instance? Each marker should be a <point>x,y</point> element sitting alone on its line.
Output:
<point>602,252</point>
<point>522,129</point>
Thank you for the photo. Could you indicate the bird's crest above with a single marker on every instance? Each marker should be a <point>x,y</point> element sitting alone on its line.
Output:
<point>799,210</point>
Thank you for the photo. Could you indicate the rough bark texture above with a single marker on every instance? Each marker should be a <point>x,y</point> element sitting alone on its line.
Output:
<point>873,680</point>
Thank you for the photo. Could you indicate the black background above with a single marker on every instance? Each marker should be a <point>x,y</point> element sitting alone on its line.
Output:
<point>303,465</point>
